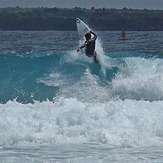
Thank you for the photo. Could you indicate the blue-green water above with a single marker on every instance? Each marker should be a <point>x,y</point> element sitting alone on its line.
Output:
<point>57,105</point>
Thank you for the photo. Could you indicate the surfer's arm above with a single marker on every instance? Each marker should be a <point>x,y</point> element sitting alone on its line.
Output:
<point>95,36</point>
<point>84,45</point>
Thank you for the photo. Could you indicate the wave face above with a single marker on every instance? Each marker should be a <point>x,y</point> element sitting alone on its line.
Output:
<point>45,76</point>
<point>57,96</point>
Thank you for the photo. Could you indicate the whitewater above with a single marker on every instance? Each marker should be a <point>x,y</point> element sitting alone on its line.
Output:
<point>59,106</point>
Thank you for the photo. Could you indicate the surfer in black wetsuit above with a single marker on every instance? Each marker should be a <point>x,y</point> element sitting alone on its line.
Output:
<point>90,46</point>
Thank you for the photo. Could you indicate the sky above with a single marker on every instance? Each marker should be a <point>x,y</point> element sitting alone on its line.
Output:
<point>135,4</point>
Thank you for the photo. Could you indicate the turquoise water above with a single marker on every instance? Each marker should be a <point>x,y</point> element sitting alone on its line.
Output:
<point>59,106</point>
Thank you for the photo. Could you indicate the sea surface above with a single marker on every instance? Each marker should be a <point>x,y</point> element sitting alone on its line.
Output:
<point>57,105</point>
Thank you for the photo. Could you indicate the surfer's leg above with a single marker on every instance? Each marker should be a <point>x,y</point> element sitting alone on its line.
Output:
<point>95,55</point>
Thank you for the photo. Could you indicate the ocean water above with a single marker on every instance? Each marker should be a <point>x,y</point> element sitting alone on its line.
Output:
<point>57,105</point>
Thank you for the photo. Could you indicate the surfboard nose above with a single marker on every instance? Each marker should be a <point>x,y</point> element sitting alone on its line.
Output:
<point>77,20</point>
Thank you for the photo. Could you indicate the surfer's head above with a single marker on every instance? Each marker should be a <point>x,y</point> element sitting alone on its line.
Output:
<point>87,36</point>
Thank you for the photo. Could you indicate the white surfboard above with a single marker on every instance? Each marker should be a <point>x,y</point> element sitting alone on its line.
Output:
<point>82,28</point>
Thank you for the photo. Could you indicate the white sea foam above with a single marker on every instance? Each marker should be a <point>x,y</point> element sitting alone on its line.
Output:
<point>139,79</point>
<point>89,88</point>
<point>127,123</point>
<point>54,79</point>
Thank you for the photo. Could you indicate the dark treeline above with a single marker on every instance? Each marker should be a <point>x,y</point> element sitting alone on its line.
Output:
<point>64,19</point>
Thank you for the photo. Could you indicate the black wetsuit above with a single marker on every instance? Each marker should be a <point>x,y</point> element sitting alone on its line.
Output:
<point>90,46</point>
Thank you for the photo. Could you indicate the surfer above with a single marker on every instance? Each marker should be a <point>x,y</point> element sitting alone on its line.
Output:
<point>90,46</point>
<point>123,35</point>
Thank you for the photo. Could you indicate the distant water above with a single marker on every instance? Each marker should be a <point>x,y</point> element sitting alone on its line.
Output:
<point>59,106</point>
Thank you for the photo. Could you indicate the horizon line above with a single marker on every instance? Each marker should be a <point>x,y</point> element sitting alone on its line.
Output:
<point>83,8</point>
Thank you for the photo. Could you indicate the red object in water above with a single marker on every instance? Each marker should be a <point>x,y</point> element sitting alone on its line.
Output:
<point>124,39</point>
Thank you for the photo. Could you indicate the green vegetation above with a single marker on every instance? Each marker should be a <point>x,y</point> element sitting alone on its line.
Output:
<point>64,19</point>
